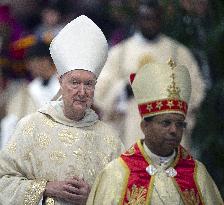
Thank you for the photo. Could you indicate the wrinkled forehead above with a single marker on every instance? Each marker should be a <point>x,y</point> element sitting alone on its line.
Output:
<point>170,116</point>
<point>79,74</point>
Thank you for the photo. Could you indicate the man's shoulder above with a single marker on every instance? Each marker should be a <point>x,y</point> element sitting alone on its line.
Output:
<point>200,165</point>
<point>33,118</point>
<point>109,133</point>
<point>175,43</point>
<point>102,126</point>
<point>123,44</point>
<point>115,165</point>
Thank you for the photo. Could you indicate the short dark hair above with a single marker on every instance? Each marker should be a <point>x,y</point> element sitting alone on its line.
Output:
<point>149,119</point>
<point>150,3</point>
<point>40,49</point>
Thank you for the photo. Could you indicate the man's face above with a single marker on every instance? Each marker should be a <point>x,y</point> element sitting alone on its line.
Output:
<point>77,91</point>
<point>149,22</point>
<point>163,133</point>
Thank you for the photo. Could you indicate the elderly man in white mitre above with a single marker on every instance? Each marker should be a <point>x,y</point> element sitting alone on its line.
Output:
<point>55,153</point>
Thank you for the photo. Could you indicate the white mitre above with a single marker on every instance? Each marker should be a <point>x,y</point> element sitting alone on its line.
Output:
<point>79,45</point>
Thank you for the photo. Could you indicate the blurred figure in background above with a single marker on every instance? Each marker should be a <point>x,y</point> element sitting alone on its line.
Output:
<point>53,16</point>
<point>207,137</point>
<point>121,14</point>
<point>147,44</point>
<point>31,96</point>
<point>50,24</point>
<point>192,22</point>
<point>5,34</point>
<point>115,17</point>
<point>2,98</point>
<point>10,30</point>
<point>25,11</point>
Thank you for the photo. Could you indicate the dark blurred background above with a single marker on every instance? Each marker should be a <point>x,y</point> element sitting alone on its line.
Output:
<point>198,24</point>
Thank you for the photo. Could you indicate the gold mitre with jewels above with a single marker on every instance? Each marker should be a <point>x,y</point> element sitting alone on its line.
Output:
<point>161,88</point>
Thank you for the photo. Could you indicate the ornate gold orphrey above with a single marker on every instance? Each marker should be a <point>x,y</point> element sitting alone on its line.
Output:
<point>136,196</point>
<point>173,90</point>
<point>145,59</point>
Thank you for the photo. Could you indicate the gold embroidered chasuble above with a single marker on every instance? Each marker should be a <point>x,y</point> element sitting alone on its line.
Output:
<point>46,146</point>
<point>111,185</point>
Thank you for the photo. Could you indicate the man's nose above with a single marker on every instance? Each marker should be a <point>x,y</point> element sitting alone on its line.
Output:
<point>173,128</point>
<point>82,89</point>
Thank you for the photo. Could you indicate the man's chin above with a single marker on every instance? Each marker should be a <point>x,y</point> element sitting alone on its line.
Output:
<point>79,106</point>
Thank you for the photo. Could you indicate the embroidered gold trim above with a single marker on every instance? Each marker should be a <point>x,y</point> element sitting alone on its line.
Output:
<point>125,184</point>
<point>49,122</point>
<point>33,193</point>
<point>191,197</point>
<point>174,163</point>
<point>150,189</point>
<point>49,201</point>
<point>43,140</point>
<point>196,182</point>
<point>136,196</point>
<point>147,158</point>
<point>187,195</point>
<point>12,148</point>
<point>165,111</point>
<point>145,59</point>
<point>58,156</point>
<point>184,154</point>
<point>179,190</point>
<point>130,151</point>
<point>173,90</point>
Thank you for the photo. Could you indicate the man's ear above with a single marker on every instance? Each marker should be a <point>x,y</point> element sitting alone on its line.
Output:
<point>59,77</point>
<point>53,66</point>
<point>143,125</point>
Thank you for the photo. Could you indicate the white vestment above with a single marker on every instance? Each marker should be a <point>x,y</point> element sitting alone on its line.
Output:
<point>47,146</point>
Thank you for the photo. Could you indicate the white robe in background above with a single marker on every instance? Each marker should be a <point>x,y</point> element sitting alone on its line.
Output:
<point>28,99</point>
<point>127,57</point>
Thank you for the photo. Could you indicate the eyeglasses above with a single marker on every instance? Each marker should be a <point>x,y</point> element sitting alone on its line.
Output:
<point>88,85</point>
<point>168,123</point>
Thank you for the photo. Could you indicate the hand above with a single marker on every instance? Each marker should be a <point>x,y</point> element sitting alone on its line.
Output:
<point>74,190</point>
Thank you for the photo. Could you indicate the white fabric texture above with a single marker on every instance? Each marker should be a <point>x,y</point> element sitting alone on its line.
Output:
<point>79,45</point>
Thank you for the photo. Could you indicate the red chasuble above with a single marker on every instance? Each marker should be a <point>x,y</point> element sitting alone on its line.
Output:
<point>139,186</point>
